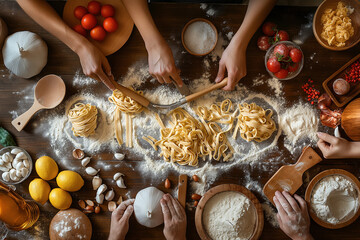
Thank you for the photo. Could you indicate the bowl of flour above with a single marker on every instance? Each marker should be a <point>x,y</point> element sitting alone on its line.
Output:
<point>333,196</point>
<point>229,211</point>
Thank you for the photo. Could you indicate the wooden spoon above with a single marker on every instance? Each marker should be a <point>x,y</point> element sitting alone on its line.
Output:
<point>49,92</point>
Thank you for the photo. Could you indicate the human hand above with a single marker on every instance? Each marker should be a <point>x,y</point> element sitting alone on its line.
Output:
<point>174,218</point>
<point>334,147</point>
<point>120,220</point>
<point>162,64</point>
<point>94,63</point>
<point>293,216</point>
<point>233,61</point>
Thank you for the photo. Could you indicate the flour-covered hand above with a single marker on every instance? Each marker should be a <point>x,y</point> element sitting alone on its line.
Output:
<point>120,220</point>
<point>293,216</point>
<point>334,147</point>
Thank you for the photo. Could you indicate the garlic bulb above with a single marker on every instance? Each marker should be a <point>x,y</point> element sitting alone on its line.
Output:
<point>25,54</point>
<point>147,207</point>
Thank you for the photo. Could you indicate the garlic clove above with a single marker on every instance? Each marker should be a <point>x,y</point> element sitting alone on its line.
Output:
<point>101,189</point>
<point>96,182</point>
<point>120,200</point>
<point>119,156</point>
<point>8,165</point>
<point>24,172</point>
<point>99,198</point>
<point>110,195</point>
<point>1,162</point>
<point>111,206</point>
<point>18,173</point>
<point>19,165</point>
<point>91,171</point>
<point>89,202</point>
<point>5,176</point>
<point>26,163</point>
<point>6,158</point>
<point>85,161</point>
<point>15,151</point>
<point>117,176</point>
<point>4,169</point>
<point>21,156</point>
<point>13,175</point>
<point>120,183</point>
<point>15,162</point>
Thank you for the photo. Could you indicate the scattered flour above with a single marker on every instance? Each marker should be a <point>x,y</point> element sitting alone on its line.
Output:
<point>219,48</point>
<point>305,30</point>
<point>211,12</point>
<point>81,80</point>
<point>270,214</point>
<point>276,86</point>
<point>334,199</point>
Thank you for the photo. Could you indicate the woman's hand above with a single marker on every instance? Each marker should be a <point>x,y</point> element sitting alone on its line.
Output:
<point>174,218</point>
<point>293,216</point>
<point>233,61</point>
<point>162,64</point>
<point>94,63</point>
<point>120,220</point>
<point>334,147</point>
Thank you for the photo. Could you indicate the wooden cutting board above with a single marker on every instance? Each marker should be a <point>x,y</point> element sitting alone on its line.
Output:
<point>182,189</point>
<point>289,178</point>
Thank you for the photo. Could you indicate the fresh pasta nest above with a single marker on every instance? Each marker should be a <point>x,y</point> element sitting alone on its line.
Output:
<point>83,118</point>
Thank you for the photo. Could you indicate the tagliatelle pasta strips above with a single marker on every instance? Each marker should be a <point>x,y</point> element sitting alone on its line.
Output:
<point>83,118</point>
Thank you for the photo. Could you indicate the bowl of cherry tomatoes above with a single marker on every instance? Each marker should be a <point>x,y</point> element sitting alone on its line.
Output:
<point>284,60</point>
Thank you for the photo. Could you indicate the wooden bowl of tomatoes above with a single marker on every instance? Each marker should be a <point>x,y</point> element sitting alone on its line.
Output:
<point>284,60</point>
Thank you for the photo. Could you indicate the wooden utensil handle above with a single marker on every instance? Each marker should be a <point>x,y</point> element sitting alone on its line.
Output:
<point>20,122</point>
<point>307,159</point>
<point>182,189</point>
<point>207,90</point>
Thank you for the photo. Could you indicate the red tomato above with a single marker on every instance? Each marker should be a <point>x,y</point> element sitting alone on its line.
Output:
<point>281,36</point>
<point>295,55</point>
<point>80,11</point>
<point>94,7</point>
<point>281,51</point>
<point>79,29</point>
<point>281,74</point>
<point>98,33</point>
<point>293,67</point>
<point>110,24</point>
<point>273,65</point>
<point>269,29</point>
<point>263,43</point>
<point>107,11</point>
<point>88,21</point>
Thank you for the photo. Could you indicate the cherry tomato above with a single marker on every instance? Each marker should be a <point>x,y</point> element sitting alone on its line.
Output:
<point>273,65</point>
<point>269,29</point>
<point>88,21</point>
<point>263,43</point>
<point>281,74</point>
<point>107,11</point>
<point>79,29</point>
<point>293,67</point>
<point>94,7</point>
<point>80,11</point>
<point>98,33</point>
<point>281,51</point>
<point>110,24</point>
<point>295,55</point>
<point>281,36</point>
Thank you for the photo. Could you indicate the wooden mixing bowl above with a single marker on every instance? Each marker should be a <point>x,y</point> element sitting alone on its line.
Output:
<point>355,20</point>
<point>311,186</point>
<point>224,188</point>
<point>350,120</point>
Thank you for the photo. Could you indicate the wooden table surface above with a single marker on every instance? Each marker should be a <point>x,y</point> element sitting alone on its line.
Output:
<point>170,18</point>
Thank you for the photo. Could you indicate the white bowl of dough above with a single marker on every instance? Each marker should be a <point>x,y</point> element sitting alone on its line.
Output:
<point>333,196</point>
<point>15,165</point>
<point>229,211</point>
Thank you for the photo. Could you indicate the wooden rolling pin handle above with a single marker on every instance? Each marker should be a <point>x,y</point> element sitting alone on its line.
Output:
<point>308,159</point>
<point>207,90</point>
<point>130,93</point>
<point>20,122</point>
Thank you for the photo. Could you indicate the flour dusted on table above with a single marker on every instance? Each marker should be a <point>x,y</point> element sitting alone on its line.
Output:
<point>229,215</point>
<point>334,199</point>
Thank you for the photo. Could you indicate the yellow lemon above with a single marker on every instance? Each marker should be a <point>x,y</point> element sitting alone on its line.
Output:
<point>69,180</point>
<point>60,199</point>
<point>39,190</point>
<point>46,168</point>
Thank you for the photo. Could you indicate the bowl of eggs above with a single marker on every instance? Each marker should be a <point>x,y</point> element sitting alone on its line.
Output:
<point>336,24</point>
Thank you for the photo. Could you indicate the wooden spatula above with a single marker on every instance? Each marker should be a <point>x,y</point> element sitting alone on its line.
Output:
<point>289,178</point>
<point>182,189</point>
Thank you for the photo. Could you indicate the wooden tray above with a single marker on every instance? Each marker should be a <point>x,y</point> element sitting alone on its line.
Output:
<point>223,188</point>
<point>113,41</point>
<point>354,89</point>
<point>315,180</point>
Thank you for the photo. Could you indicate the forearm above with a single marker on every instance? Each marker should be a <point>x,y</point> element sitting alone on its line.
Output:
<point>256,12</point>
<point>139,11</point>
<point>45,16</point>
<point>354,150</point>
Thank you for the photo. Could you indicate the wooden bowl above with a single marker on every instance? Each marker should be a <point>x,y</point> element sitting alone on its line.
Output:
<point>355,20</point>
<point>312,184</point>
<point>113,41</point>
<point>350,120</point>
<point>224,188</point>
<point>196,20</point>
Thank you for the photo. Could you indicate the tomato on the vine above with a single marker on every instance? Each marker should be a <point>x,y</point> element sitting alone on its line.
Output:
<point>282,73</point>
<point>281,36</point>
<point>269,29</point>
<point>94,7</point>
<point>110,24</point>
<point>98,33</point>
<point>273,65</point>
<point>295,55</point>
<point>281,51</point>
<point>79,29</point>
<point>88,21</point>
<point>80,11</point>
<point>263,43</point>
<point>107,11</point>
<point>293,67</point>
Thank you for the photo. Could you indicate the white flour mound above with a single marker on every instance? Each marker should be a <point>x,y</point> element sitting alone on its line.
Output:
<point>229,215</point>
<point>334,199</point>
